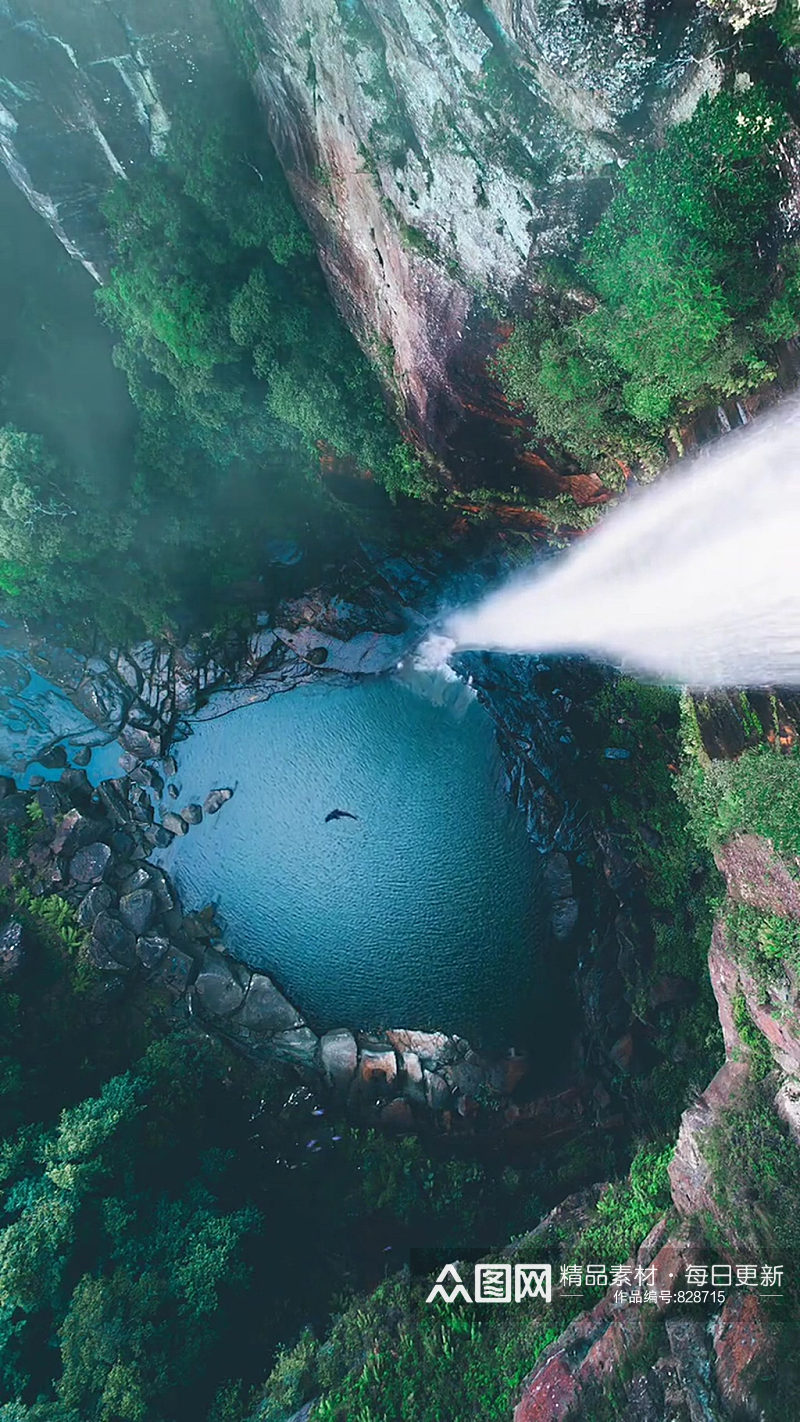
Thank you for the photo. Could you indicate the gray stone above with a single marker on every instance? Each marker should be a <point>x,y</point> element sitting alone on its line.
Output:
<point>12,949</point>
<point>13,810</point>
<point>465,1077</point>
<point>175,971</point>
<point>564,918</point>
<point>173,823</point>
<point>397,1115</point>
<point>413,1078</point>
<point>298,1045</point>
<point>170,765</point>
<point>136,910</point>
<point>139,879</point>
<point>162,838</point>
<point>54,802</point>
<point>7,786</point>
<point>265,1009</point>
<point>97,901</point>
<point>161,887</point>
<point>53,759</point>
<point>192,814</point>
<point>89,864</point>
<point>437,1092</point>
<point>215,799</point>
<point>217,988</point>
<point>432,1048</point>
<point>82,756</point>
<point>151,949</point>
<point>557,876</point>
<point>77,783</point>
<point>74,832</point>
<point>112,946</point>
<point>339,1055</point>
<point>173,792</point>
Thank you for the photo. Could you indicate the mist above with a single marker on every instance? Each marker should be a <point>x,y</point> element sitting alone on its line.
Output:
<point>695,580</point>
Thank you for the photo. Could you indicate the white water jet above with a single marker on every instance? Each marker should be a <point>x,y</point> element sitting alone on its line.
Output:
<point>695,580</point>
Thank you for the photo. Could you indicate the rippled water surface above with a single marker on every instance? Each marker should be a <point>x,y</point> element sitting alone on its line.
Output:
<point>423,910</point>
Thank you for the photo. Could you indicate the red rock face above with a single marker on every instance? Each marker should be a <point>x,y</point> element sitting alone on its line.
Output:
<point>755,874</point>
<point>662,1364</point>
<point>743,1350</point>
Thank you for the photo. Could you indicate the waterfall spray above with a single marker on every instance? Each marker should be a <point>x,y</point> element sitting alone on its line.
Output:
<point>695,580</point>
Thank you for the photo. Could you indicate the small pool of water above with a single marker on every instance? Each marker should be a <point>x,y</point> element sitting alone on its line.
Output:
<point>421,911</point>
<point>35,715</point>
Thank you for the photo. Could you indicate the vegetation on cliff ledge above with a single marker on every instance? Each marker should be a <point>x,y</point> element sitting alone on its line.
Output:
<point>688,286</point>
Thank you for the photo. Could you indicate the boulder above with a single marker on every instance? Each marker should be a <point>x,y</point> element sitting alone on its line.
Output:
<point>170,765</point>
<point>74,832</point>
<point>432,1048</point>
<point>7,786</point>
<point>82,756</point>
<point>174,823</point>
<point>175,971</point>
<point>192,814</point>
<point>173,792</point>
<point>133,879</point>
<point>215,799</point>
<point>13,810</point>
<point>217,989</point>
<point>265,1009</point>
<point>54,802</point>
<point>53,759</point>
<point>466,1077</point>
<point>397,1115</point>
<point>563,918</point>
<point>339,1056</point>
<point>12,949</point>
<point>161,887</point>
<point>437,1092</point>
<point>299,1045</point>
<point>77,783</point>
<point>378,1066</point>
<point>136,909</point>
<point>151,949</point>
<point>557,876</point>
<point>112,946</point>
<point>98,900</point>
<point>89,864</point>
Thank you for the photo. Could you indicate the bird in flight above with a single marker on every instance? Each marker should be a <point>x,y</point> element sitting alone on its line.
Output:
<point>340,815</point>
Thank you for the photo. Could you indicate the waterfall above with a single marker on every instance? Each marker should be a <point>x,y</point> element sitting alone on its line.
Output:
<point>694,580</point>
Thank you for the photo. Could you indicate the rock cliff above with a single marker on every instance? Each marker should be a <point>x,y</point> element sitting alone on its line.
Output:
<point>443,152</point>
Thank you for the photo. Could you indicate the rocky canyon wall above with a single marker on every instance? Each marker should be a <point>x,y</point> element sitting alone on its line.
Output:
<point>442,152</point>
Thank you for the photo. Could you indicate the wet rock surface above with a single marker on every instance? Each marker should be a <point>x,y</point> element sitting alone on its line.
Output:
<point>12,949</point>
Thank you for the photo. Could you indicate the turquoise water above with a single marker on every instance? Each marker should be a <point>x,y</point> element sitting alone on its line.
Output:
<point>422,911</point>
<point>34,715</point>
